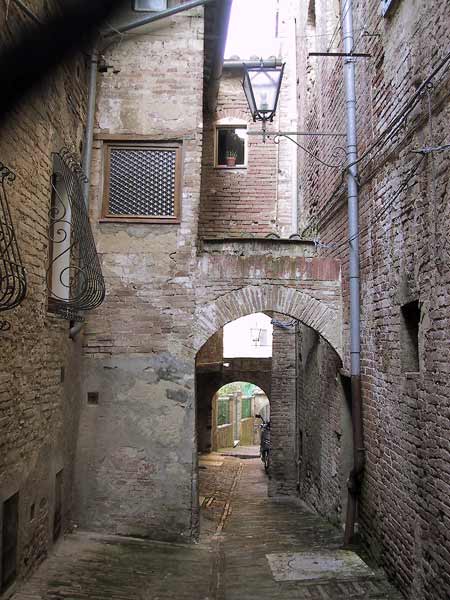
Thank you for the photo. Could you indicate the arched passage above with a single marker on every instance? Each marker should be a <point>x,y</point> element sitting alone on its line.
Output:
<point>306,395</point>
<point>213,376</point>
<point>324,318</point>
<point>234,406</point>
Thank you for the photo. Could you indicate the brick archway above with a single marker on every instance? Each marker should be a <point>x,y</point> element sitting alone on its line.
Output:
<point>263,383</point>
<point>213,315</point>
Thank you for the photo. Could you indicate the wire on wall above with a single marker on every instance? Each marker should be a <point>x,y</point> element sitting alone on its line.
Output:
<point>393,129</point>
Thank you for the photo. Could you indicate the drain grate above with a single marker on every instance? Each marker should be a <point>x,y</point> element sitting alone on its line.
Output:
<point>315,566</point>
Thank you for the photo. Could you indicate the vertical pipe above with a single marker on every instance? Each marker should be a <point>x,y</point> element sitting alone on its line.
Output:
<point>90,116</point>
<point>354,270</point>
<point>294,149</point>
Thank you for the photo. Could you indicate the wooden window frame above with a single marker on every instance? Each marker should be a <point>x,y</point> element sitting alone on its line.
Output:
<point>216,145</point>
<point>133,145</point>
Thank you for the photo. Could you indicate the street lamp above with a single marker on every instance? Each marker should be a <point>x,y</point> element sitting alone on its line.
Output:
<point>262,89</point>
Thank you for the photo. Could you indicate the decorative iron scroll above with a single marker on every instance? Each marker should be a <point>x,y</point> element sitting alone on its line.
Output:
<point>74,278</point>
<point>13,282</point>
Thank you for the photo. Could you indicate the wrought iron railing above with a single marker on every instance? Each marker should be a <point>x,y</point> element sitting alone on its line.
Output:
<point>13,282</point>
<point>74,278</point>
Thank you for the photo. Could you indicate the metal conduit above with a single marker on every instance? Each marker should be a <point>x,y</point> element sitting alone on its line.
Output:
<point>239,64</point>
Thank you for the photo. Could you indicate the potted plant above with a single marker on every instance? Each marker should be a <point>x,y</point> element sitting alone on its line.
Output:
<point>231,156</point>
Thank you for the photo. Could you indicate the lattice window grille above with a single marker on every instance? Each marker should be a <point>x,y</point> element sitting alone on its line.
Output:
<point>142,182</point>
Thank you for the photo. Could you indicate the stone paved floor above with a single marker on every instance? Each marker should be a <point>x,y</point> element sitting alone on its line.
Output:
<point>241,451</point>
<point>240,527</point>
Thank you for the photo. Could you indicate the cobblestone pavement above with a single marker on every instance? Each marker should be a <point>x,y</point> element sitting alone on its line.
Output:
<point>240,527</point>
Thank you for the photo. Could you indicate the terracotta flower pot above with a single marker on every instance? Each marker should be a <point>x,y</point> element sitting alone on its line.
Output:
<point>231,161</point>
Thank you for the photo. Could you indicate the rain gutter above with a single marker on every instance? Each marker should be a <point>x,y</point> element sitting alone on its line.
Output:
<point>223,17</point>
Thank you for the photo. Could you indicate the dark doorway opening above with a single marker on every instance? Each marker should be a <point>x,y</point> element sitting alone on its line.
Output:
<point>9,541</point>
<point>57,520</point>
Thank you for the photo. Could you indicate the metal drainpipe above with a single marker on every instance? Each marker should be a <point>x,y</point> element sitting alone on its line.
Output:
<point>87,150</point>
<point>354,482</point>
<point>156,17</point>
<point>239,64</point>
<point>217,67</point>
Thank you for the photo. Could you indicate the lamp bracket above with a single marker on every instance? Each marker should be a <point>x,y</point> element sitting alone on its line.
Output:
<point>276,137</point>
<point>342,54</point>
<point>300,133</point>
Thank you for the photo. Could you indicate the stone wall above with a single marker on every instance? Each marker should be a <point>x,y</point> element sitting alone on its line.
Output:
<point>39,373</point>
<point>324,427</point>
<point>283,409</point>
<point>404,203</point>
<point>137,450</point>
<point>209,357</point>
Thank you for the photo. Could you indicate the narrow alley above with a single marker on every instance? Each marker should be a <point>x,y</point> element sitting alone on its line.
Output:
<point>246,538</point>
<point>225,237</point>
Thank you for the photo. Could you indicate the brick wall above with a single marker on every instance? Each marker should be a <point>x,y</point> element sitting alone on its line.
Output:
<point>404,257</point>
<point>324,427</point>
<point>261,198</point>
<point>39,409</point>
<point>283,400</point>
<point>212,351</point>
<point>237,201</point>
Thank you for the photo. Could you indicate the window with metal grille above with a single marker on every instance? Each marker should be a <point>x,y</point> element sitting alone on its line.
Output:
<point>142,182</point>
<point>74,278</point>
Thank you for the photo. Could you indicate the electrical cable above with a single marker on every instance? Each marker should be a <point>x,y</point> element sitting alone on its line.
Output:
<point>402,187</point>
<point>338,27</point>
<point>399,119</point>
<point>390,131</point>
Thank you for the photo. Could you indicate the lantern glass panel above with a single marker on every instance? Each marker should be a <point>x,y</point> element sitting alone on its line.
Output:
<point>249,94</point>
<point>265,84</point>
